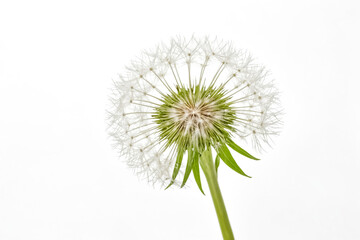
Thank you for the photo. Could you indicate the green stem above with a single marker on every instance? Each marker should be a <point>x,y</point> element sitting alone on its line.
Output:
<point>207,165</point>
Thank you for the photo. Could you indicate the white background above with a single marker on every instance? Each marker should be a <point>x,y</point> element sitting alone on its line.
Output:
<point>60,178</point>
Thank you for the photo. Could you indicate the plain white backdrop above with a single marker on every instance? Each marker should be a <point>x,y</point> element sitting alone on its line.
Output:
<point>60,178</point>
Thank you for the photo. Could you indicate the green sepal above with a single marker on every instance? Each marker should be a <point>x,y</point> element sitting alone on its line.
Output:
<point>189,166</point>
<point>228,159</point>
<point>179,158</point>
<point>196,171</point>
<point>217,163</point>
<point>240,150</point>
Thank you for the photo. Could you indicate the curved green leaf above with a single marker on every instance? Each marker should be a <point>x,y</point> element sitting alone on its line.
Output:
<point>240,150</point>
<point>228,159</point>
<point>179,158</point>
<point>189,166</point>
<point>196,171</point>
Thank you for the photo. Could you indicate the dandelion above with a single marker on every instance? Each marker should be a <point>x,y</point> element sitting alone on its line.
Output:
<point>186,100</point>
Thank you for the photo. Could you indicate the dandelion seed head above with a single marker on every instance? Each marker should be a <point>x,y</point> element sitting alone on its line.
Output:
<point>188,95</point>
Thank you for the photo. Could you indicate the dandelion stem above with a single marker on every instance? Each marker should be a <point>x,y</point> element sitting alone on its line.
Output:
<point>207,165</point>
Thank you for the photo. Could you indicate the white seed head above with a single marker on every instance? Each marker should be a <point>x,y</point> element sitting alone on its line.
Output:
<point>189,95</point>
